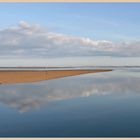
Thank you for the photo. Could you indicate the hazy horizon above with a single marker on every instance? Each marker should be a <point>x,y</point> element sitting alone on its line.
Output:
<point>70,62</point>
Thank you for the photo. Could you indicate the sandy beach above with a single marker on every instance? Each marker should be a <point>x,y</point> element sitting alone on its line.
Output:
<point>23,76</point>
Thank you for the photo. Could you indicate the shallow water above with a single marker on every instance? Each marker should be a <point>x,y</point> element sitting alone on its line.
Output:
<point>90,105</point>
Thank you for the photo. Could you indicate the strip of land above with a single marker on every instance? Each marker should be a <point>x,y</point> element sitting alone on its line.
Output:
<point>24,76</point>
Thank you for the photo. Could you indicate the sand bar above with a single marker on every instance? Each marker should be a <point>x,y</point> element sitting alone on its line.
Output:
<point>23,76</point>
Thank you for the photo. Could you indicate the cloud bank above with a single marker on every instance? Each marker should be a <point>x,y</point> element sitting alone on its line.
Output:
<point>35,41</point>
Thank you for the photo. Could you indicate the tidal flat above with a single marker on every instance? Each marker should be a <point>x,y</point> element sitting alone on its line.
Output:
<point>90,105</point>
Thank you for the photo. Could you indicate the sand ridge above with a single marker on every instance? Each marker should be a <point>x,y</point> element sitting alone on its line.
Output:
<point>23,76</point>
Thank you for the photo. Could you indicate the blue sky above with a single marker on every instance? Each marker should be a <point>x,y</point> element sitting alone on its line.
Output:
<point>111,21</point>
<point>43,30</point>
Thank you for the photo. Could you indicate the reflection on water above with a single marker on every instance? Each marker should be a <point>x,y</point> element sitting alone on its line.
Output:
<point>24,97</point>
<point>104,104</point>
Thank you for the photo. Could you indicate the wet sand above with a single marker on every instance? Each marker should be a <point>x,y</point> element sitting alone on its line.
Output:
<point>24,76</point>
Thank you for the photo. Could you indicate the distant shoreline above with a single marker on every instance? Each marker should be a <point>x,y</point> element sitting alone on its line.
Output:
<point>63,68</point>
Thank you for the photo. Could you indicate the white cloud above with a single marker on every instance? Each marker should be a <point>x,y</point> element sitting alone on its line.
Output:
<point>35,41</point>
<point>24,25</point>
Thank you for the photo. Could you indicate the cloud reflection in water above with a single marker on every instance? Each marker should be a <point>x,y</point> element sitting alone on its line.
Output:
<point>25,97</point>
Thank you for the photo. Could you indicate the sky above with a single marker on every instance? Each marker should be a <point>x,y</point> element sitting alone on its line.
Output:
<point>54,30</point>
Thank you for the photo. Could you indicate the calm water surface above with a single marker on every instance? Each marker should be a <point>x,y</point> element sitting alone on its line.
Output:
<point>91,105</point>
